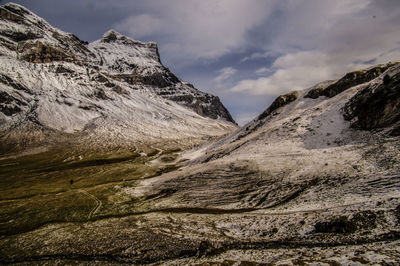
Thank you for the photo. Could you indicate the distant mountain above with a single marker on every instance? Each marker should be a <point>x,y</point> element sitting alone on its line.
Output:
<point>113,91</point>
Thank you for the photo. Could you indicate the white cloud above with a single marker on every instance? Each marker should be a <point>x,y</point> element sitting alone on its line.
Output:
<point>141,25</point>
<point>339,37</point>
<point>302,70</point>
<point>255,56</point>
<point>314,39</point>
<point>224,74</point>
<point>263,70</point>
<point>198,29</point>
<point>292,72</point>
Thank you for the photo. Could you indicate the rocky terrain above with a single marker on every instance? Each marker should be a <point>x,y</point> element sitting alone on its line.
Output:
<point>313,180</point>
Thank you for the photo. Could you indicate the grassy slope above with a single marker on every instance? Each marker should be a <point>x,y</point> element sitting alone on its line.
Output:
<point>58,186</point>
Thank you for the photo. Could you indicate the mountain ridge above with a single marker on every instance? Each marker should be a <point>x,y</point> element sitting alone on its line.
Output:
<point>61,84</point>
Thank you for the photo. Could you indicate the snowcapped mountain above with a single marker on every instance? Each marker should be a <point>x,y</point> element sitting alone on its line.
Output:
<point>54,86</point>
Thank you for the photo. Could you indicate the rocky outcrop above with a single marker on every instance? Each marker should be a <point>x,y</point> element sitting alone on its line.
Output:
<point>9,105</point>
<point>349,80</point>
<point>376,106</point>
<point>139,63</point>
<point>41,53</point>
<point>279,102</point>
<point>11,14</point>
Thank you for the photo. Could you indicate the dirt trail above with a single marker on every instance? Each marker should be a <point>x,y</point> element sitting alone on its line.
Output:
<point>98,203</point>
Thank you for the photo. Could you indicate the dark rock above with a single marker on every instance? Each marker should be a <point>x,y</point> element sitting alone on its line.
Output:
<point>376,106</point>
<point>315,93</point>
<point>6,12</point>
<point>339,225</point>
<point>9,111</point>
<point>395,132</point>
<point>61,69</point>
<point>6,98</point>
<point>100,94</point>
<point>205,105</point>
<point>109,85</point>
<point>38,52</point>
<point>365,220</point>
<point>160,79</point>
<point>349,80</point>
<point>8,44</point>
<point>92,107</point>
<point>111,37</point>
<point>100,78</point>
<point>73,43</point>
<point>205,249</point>
<point>16,9</point>
<point>9,105</point>
<point>17,36</point>
<point>10,82</point>
<point>279,102</point>
<point>397,214</point>
<point>120,90</point>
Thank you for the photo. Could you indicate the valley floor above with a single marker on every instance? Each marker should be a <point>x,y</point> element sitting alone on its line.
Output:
<point>148,207</point>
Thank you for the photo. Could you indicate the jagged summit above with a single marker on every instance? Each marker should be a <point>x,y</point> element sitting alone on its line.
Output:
<point>51,80</point>
<point>120,54</point>
<point>114,36</point>
<point>18,9</point>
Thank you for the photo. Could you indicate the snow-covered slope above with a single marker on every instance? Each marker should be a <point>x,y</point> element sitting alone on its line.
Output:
<point>114,89</point>
<point>118,54</point>
<point>309,172</point>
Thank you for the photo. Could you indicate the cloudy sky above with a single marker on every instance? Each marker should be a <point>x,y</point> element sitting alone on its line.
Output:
<point>245,51</point>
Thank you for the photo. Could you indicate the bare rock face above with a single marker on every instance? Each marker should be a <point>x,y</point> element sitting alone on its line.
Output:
<point>135,62</point>
<point>349,80</point>
<point>279,102</point>
<point>376,106</point>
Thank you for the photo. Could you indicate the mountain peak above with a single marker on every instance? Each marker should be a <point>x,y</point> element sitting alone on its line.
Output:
<point>15,13</point>
<point>16,8</point>
<point>113,36</point>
